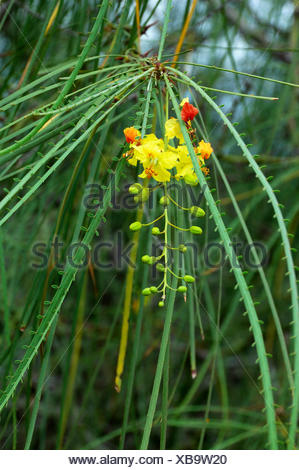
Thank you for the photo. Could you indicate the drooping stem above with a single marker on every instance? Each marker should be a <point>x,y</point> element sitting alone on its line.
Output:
<point>165,245</point>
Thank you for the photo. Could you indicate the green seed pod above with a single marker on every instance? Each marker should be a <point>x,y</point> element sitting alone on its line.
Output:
<point>160,267</point>
<point>182,289</point>
<point>156,231</point>
<point>195,229</point>
<point>164,201</point>
<point>145,259</point>
<point>183,248</point>
<point>153,289</point>
<point>146,291</point>
<point>197,211</point>
<point>135,188</point>
<point>188,278</point>
<point>135,226</point>
<point>161,303</point>
<point>152,260</point>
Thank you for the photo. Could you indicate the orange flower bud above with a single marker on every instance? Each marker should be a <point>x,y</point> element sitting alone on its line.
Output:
<point>205,149</point>
<point>130,134</point>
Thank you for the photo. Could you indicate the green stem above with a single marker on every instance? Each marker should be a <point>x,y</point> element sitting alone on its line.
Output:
<point>3,290</point>
<point>165,387</point>
<point>214,67</point>
<point>164,30</point>
<point>158,376</point>
<point>165,252</point>
<point>246,297</point>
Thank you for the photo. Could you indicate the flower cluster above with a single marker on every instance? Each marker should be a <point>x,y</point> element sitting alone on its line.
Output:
<point>159,158</point>
<point>163,159</point>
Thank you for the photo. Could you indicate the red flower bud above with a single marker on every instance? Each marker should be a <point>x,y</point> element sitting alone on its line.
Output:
<point>188,112</point>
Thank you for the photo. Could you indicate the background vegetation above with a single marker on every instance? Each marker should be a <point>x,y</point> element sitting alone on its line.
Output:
<point>73,76</point>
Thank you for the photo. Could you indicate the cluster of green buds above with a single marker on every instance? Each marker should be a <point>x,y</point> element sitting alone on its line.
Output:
<point>161,262</point>
<point>140,194</point>
<point>147,291</point>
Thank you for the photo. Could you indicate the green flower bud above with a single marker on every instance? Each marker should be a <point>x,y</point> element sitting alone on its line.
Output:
<point>152,260</point>
<point>144,194</point>
<point>156,231</point>
<point>135,188</point>
<point>135,226</point>
<point>160,267</point>
<point>146,291</point>
<point>197,211</point>
<point>195,229</point>
<point>161,303</point>
<point>153,289</point>
<point>182,289</point>
<point>183,248</point>
<point>145,259</point>
<point>188,278</point>
<point>164,201</point>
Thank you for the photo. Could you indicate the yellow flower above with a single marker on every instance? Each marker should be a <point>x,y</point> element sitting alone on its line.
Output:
<point>158,161</point>
<point>131,158</point>
<point>184,165</point>
<point>132,136</point>
<point>151,138</point>
<point>155,160</point>
<point>185,168</point>
<point>132,154</point>
<point>185,100</point>
<point>173,129</point>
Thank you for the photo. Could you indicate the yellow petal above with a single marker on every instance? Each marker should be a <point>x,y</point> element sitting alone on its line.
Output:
<point>185,100</point>
<point>191,179</point>
<point>173,129</point>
